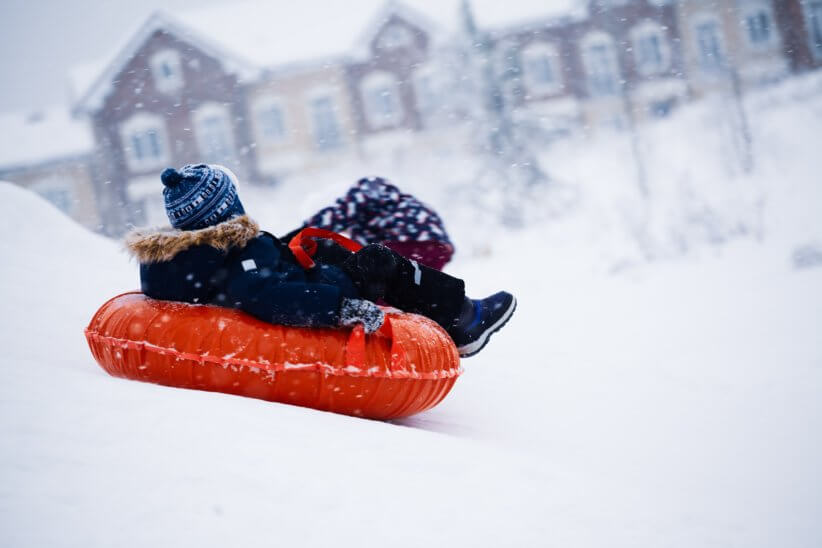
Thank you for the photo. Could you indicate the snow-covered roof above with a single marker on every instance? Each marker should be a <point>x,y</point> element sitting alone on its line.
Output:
<point>255,34</point>
<point>35,137</point>
<point>91,86</point>
<point>498,14</point>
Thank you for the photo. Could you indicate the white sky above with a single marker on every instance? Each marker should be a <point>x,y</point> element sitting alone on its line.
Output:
<point>43,38</point>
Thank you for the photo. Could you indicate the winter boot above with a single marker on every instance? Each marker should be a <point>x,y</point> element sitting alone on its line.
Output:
<point>479,320</point>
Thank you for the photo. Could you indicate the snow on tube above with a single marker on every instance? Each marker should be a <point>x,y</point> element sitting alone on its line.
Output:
<point>408,366</point>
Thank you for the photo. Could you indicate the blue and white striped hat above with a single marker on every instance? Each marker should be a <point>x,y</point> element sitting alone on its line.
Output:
<point>198,196</point>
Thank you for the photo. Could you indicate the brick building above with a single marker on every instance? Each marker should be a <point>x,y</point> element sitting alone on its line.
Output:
<point>270,95</point>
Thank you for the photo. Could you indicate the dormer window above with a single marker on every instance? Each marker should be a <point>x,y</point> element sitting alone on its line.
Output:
<point>167,71</point>
<point>394,37</point>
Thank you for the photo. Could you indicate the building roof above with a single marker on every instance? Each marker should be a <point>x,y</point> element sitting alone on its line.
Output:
<point>92,82</point>
<point>34,137</point>
<point>256,34</point>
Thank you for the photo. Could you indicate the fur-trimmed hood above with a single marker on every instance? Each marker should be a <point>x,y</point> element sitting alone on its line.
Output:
<point>162,244</point>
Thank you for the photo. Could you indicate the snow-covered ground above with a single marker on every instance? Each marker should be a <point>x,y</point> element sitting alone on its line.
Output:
<point>668,394</point>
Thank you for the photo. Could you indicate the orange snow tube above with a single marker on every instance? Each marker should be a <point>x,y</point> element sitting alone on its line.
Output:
<point>408,366</point>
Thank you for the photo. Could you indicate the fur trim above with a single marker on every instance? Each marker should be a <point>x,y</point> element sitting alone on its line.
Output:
<point>163,244</point>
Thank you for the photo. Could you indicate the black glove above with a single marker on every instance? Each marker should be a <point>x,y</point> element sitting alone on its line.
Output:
<point>360,311</point>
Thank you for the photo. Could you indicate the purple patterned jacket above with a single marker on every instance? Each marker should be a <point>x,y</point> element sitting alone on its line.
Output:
<point>374,211</point>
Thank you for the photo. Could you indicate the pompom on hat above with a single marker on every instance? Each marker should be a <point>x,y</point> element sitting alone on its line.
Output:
<point>201,195</point>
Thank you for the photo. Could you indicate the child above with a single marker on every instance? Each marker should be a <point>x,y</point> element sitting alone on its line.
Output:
<point>374,211</point>
<point>215,254</point>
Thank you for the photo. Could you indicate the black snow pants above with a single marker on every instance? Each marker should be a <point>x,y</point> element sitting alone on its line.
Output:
<point>381,274</point>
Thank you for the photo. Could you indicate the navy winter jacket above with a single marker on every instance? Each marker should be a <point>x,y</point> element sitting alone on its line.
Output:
<point>233,264</point>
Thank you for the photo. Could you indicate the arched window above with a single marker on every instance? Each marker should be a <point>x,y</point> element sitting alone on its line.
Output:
<point>652,53</point>
<point>381,99</point>
<point>709,43</point>
<point>269,119</point>
<point>212,131</point>
<point>541,68</point>
<point>144,141</point>
<point>601,67</point>
<point>167,71</point>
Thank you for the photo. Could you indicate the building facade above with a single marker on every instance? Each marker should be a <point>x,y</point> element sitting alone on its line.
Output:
<point>800,22</point>
<point>167,99</point>
<point>172,96</point>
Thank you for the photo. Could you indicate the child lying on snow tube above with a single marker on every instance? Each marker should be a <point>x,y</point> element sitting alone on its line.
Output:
<point>215,254</point>
<point>375,211</point>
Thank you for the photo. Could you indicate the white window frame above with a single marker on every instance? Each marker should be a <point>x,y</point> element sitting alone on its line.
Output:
<point>386,84</point>
<point>261,108</point>
<point>203,114</point>
<point>542,52</point>
<point>395,36</point>
<point>139,125</point>
<point>330,94</point>
<point>813,26</point>
<point>643,31</point>
<point>721,61</point>
<point>753,9</point>
<point>167,83</point>
<point>597,39</point>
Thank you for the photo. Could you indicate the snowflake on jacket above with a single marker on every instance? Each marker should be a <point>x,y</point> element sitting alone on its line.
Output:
<point>374,210</point>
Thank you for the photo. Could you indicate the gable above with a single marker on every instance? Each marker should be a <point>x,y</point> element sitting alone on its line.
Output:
<point>396,33</point>
<point>128,58</point>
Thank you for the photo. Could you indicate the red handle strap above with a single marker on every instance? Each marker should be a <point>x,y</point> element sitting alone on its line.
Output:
<point>304,247</point>
<point>355,348</point>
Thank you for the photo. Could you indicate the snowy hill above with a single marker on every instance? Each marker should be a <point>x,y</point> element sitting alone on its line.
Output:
<point>675,404</point>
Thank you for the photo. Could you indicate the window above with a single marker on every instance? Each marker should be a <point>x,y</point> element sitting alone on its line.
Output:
<point>144,141</point>
<point>270,119</point>
<point>599,58</point>
<point>395,36</point>
<point>212,131</point>
<point>758,25</point>
<point>813,19</point>
<point>427,92</point>
<point>381,99</point>
<point>650,45</point>
<point>662,108</point>
<point>327,134</point>
<point>708,37</point>
<point>167,71</point>
<point>59,196</point>
<point>540,64</point>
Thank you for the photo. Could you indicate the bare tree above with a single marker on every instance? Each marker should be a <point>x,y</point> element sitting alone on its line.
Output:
<point>504,140</point>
